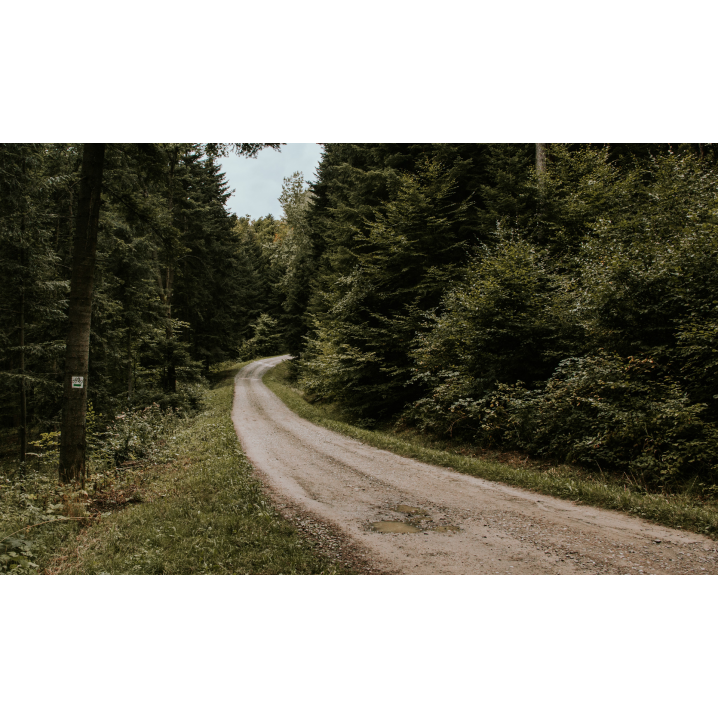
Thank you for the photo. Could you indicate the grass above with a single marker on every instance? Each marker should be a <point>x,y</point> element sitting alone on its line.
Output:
<point>201,513</point>
<point>682,511</point>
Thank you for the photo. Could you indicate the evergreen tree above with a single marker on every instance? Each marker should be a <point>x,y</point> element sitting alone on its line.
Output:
<point>400,269</point>
<point>31,292</point>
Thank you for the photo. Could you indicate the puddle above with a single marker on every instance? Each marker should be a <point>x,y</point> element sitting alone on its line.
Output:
<point>394,527</point>
<point>445,529</point>
<point>411,510</point>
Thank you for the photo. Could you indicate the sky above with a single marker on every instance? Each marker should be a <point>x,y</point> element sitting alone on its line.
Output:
<point>257,183</point>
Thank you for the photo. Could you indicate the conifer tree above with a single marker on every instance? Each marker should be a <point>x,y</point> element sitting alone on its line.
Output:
<point>412,250</point>
<point>174,162</point>
<point>30,292</point>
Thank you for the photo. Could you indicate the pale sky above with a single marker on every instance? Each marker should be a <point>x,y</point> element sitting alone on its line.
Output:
<point>257,183</point>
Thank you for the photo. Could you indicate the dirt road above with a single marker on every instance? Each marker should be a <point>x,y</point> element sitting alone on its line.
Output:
<point>451,523</point>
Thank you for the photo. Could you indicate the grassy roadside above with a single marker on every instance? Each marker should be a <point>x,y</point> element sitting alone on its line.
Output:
<point>202,513</point>
<point>685,511</point>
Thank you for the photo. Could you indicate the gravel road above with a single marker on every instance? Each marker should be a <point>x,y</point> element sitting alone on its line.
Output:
<point>453,523</point>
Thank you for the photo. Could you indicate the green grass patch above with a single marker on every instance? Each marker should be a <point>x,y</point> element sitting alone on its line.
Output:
<point>684,510</point>
<point>201,513</point>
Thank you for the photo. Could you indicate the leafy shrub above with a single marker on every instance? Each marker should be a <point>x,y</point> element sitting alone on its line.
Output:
<point>505,322</point>
<point>188,399</point>
<point>30,498</point>
<point>136,434</point>
<point>697,352</point>
<point>596,410</point>
<point>601,345</point>
<point>620,413</point>
<point>16,556</point>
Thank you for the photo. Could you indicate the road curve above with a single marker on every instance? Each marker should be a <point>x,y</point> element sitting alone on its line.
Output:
<point>465,525</point>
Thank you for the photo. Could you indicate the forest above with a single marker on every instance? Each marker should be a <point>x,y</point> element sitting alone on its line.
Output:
<point>174,287</point>
<point>554,299</point>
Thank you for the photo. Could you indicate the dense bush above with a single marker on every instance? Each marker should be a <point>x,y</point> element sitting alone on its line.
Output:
<point>603,411</point>
<point>135,434</point>
<point>506,321</point>
<point>598,343</point>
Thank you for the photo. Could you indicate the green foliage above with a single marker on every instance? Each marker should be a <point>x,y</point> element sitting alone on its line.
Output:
<point>267,339</point>
<point>136,435</point>
<point>508,191</point>
<point>34,512</point>
<point>617,412</point>
<point>295,260</point>
<point>32,286</point>
<point>504,322</point>
<point>48,443</point>
<point>581,187</point>
<point>175,286</point>
<point>409,253</point>
<point>595,410</point>
<point>598,347</point>
<point>205,513</point>
<point>16,556</point>
<point>648,266</point>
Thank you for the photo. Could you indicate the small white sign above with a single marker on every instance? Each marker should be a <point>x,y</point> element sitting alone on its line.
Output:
<point>78,382</point>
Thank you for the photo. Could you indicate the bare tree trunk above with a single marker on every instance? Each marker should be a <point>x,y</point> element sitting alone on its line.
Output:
<point>23,392</point>
<point>130,368</point>
<point>74,408</point>
<point>169,335</point>
<point>541,174</point>
<point>541,165</point>
<point>171,384</point>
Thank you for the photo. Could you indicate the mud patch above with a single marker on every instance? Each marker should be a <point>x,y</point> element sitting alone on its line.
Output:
<point>394,527</point>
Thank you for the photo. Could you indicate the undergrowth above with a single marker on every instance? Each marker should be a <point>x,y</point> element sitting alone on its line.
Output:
<point>184,501</point>
<point>620,492</point>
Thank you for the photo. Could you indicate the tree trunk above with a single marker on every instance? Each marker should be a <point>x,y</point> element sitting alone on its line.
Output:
<point>541,164</point>
<point>23,389</point>
<point>130,369</point>
<point>23,392</point>
<point>171,379</point>
<point>74,408</point>
<point>541,174</point>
